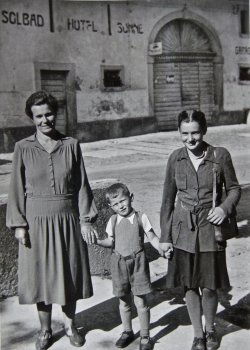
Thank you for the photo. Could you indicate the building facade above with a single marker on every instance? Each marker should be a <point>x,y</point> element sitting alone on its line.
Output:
<point>121,68</point>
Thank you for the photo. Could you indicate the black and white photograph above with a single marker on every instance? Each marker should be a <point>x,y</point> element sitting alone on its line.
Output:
<point>125,174</point>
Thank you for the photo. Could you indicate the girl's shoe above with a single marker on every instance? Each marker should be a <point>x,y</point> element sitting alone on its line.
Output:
<point>198,344</point>
<point>211,341</point>
<point>75,338</point>
<point>44,339</point>
<point>146,343</point>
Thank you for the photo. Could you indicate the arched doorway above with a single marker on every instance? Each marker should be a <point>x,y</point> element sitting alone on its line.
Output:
<point>184,74</point>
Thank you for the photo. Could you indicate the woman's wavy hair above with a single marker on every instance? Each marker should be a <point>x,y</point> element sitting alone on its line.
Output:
<point>39,98</point>
<point>193,116</point>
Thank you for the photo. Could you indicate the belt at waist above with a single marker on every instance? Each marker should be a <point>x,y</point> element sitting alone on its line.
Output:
<point>128,257</point>
<point>50,196</point>
<point>195,209</point>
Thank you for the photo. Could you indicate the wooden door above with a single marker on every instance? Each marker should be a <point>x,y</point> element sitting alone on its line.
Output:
<point>54,82</point>
<point>167,94</point>
<point>183,74</point>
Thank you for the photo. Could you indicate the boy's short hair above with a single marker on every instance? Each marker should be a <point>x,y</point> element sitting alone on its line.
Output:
<point>114,190</point>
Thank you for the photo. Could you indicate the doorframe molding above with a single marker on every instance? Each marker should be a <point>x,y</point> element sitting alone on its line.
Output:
<point>218,60</point>
<point>69,68</point>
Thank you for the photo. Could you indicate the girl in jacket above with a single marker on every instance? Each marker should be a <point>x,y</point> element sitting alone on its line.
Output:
<point>188,223</point>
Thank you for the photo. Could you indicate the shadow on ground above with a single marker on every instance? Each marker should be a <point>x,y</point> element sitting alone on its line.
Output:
<point>5,161</point>
<point>105,316</point>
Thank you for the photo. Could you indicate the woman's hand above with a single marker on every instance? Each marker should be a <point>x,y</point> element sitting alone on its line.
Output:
<point>216,216</point>
<point>89,234</point>
<point>22,236</point>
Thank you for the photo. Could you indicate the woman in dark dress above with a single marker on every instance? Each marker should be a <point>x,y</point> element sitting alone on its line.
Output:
<point>50,207</point>
<point>188,223</point>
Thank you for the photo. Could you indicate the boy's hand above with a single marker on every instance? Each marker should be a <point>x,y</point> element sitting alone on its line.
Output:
<point>168,254</point>
<point>89,234</point>
<point>22,236</point>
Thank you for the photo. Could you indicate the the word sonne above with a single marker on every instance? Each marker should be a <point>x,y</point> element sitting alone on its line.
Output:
<point>129,28</point>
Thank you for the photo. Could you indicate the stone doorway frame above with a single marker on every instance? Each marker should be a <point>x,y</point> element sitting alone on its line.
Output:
<point>216,46</point>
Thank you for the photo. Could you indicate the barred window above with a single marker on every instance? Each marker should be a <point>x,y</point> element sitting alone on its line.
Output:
<point>112,78</point>
<point>244,74</point>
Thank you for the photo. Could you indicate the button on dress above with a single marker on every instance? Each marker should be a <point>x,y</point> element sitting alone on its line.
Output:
<point>50,195</point>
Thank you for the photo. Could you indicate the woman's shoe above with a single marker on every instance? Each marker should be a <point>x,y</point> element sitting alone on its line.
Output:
<point>146,343</point>
<point>44,339</point>
<point>211,341</point>
<point>75,338</point>
<point>198,344</point>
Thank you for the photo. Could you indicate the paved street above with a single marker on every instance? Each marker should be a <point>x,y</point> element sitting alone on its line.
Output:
<point>140,162</point>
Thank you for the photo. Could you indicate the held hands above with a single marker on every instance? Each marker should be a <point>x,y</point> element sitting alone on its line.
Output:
<point>22,236</point>
<point>89,234</point>
<point>216,216</point>
<point>167,249</point>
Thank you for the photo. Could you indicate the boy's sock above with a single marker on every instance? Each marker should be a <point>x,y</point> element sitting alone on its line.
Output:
<point>143,314</point>
<point>193,302</point>
<point>209,305</point>
<point>125,304</point>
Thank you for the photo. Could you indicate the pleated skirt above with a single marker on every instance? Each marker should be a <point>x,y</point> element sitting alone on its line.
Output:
<point>205,270</point>
<point>55,268</point>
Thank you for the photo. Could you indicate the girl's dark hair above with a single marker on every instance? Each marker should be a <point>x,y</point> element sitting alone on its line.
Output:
<point>39,98</point>
<point>114,190</point>
<point>193,116</point>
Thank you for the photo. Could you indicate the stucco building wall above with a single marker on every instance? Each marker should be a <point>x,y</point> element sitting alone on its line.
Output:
<point>90,34</point>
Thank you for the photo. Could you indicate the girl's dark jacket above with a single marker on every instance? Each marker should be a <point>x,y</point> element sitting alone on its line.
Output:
<point>187,198</point>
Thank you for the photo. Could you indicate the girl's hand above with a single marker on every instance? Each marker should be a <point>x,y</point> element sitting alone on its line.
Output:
<point>216,216</point>
<point>165,246</point>
<point>22,236</point>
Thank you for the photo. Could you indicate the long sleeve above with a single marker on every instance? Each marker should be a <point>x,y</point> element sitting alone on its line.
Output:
<point>16,216</point>
<point>168,201</point>
<point>86,203</point>
<point>232,187</point>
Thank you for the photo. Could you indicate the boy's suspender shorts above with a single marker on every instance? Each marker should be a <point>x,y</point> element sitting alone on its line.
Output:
<point>130,274</point>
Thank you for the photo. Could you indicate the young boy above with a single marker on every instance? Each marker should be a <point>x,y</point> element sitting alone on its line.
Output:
<point>129,265</point>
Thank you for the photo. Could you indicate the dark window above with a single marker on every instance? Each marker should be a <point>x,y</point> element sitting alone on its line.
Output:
<point>244,22</point>
<point>112,78</point>
<point>245,74</point>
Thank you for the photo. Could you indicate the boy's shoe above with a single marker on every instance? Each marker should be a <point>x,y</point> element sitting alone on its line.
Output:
<point>198,344</point>
<point>146,343</point>
<point>126,338</point>
<point>44,339</point>
<point>211,341</point>
<point>75,338</point>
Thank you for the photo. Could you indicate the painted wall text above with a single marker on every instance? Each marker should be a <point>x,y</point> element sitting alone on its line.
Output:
<point>22,19</point>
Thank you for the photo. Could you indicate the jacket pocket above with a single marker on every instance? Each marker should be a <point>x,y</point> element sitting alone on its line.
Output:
<point>181,181</point>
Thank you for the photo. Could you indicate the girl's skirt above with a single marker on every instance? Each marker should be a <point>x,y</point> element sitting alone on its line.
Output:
<point>205,270</point>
